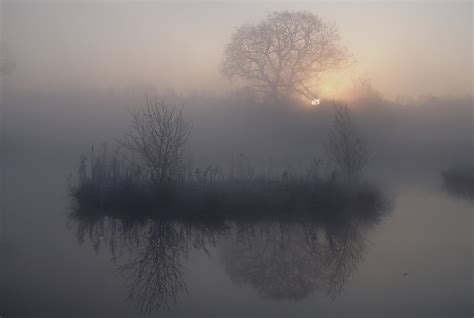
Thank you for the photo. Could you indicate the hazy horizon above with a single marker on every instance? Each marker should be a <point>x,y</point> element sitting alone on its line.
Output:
<point>403,49</point>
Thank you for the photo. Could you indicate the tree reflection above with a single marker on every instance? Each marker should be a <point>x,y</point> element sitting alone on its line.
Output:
<point>344,248</point>
<point>149,254</point>
<point>290,261</point>
<point>270,257</point>
<point>282,259</point>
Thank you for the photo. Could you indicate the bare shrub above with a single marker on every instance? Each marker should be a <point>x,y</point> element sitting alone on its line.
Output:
<point>158,134</point>
<point>344,147</point>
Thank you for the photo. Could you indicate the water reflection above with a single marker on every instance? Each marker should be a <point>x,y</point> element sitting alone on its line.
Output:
<point>149,254</point>
<point>281,260</point>
<point>291,261</point>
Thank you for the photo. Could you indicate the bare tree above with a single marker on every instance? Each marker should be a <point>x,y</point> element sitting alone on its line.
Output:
<point>285,54</point>
<point>158,134</point>
<point>344,147</point>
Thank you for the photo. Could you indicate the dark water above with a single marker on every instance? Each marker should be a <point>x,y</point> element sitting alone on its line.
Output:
<point>416,261</point>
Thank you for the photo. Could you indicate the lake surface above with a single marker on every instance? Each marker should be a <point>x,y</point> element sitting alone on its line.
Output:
<point>417,261</point>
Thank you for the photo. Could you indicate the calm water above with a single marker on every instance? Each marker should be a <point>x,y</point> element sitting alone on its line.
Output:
<point>417,261</point>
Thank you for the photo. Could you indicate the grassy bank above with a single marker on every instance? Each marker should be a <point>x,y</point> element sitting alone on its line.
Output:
<point>117,189</point>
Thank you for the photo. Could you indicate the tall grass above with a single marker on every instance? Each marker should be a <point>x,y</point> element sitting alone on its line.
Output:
<point>111,183</point>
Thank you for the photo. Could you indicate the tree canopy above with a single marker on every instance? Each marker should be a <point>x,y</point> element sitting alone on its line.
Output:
<point>285,54</point>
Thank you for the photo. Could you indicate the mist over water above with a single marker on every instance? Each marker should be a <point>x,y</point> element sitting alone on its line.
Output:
<point>76,69</point>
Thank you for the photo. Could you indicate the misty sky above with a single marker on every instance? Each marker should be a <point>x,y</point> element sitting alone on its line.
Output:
<point>404,48</point>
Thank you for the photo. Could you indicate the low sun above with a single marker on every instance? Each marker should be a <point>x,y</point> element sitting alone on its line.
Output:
<point>315,102</point>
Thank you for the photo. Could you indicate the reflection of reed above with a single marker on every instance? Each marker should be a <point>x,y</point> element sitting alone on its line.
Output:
<point>155,251</point>
<point>289,261</point>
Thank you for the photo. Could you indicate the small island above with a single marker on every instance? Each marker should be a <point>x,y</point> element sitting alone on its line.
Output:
<point>146,177</point>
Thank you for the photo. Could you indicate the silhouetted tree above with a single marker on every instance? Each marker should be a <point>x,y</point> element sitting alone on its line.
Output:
<point>284,54</point>
<point>344,147</point>
<point>158,134</point>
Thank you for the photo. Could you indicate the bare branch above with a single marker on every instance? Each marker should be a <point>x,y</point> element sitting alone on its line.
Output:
<point>283,55</point>
<point>344,147</point>
<point>158,134</point>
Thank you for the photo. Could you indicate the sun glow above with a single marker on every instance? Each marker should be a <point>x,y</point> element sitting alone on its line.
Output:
<point>333,86</point>
<point>315,102</point>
